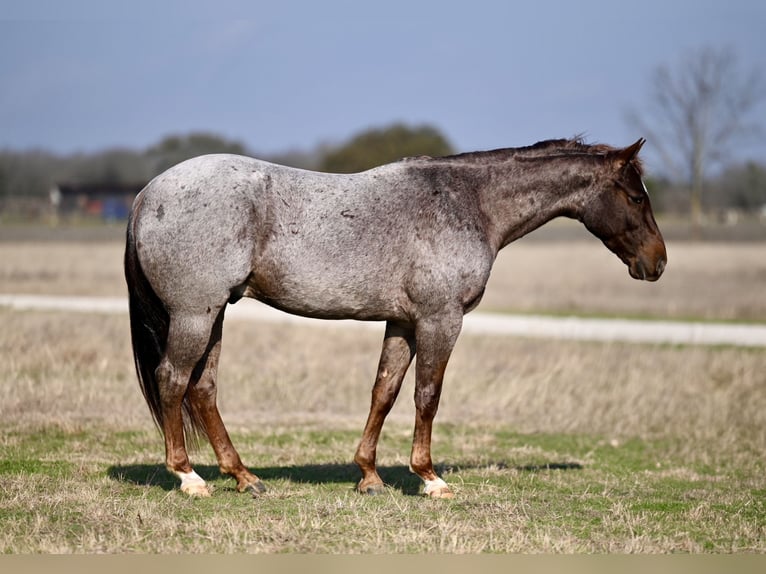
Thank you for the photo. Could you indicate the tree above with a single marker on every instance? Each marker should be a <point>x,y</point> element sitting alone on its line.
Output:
<point>377,146</point>
<point>745,186</point>
<point>175,149</point>
<point>112,166</point>
<point>27,174</point>
<point>697,110</point>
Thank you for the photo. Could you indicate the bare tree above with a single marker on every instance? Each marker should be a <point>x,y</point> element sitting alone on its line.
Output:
<point>696,111</point>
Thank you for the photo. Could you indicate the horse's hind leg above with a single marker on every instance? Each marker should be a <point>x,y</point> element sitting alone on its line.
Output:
<point>187,344</point>
<point>397,354</point>
<point>202,398</point>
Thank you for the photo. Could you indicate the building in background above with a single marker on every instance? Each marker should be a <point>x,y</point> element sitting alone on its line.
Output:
<point>100,200</point>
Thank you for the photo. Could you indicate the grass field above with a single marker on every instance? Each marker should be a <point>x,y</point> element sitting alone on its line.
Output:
<point>550,446</point>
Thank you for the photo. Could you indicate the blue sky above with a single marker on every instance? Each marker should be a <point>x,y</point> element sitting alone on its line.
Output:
<point>82,76</point>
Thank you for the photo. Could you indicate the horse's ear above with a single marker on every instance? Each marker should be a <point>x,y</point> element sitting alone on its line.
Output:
<point>626,155</point>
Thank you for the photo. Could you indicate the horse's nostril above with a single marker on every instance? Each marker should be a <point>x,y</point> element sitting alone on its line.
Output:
<point>661,266</point>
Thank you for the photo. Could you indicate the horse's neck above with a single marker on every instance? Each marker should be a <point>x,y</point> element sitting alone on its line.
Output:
<point>523,195</point>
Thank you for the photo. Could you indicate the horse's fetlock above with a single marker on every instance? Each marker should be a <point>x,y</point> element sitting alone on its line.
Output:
<point>421,466</point>
<point>364,458</point>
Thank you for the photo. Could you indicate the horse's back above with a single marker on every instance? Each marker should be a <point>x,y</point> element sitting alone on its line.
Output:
<point>327,245</point>
<point>218,223</point>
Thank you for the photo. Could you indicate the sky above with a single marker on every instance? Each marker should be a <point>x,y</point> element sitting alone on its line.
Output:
<point>86,75</point>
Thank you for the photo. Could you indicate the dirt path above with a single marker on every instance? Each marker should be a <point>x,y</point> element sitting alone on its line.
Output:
<point>672,332</point>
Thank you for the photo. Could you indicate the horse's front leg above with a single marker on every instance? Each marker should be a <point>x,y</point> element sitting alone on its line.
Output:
<point>435,340</point>
<point>395,358</point>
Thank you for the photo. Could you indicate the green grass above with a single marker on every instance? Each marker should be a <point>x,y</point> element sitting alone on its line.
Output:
<point>101,491</point>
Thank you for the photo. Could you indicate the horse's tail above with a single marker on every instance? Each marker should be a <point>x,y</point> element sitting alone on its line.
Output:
<point>149,321</point>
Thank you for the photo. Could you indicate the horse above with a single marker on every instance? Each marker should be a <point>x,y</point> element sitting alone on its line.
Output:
<point>411,243</point>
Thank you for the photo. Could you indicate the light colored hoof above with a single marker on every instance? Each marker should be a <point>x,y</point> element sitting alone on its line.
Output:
<point>440,493</point>
<point>437,489</point>
<point>193,485</point>
<point>196,490</point>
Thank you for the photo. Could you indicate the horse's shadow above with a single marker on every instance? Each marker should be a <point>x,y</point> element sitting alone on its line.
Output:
<point>398,477</point>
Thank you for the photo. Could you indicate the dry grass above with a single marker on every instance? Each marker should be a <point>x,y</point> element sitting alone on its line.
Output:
<point>73,369</point>
<point>703,280</point>
<point>660,448</point>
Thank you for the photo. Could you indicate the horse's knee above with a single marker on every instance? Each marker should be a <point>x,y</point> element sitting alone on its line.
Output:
<point>427,400</point>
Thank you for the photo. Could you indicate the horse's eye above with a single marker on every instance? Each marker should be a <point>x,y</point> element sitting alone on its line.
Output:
<point>637,199</point>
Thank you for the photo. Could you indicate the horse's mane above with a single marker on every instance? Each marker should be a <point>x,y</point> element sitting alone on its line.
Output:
<point>575,146</point>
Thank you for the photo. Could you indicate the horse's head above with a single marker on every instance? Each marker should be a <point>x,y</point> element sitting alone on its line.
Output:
<point>620,214</point>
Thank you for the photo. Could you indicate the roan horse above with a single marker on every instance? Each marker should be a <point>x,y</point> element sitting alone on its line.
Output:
<point>411,243</point>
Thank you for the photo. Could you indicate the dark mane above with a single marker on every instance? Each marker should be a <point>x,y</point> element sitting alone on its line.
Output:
<point>546,148</point>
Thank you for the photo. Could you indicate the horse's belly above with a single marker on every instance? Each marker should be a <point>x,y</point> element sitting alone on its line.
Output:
<point>320,297</point>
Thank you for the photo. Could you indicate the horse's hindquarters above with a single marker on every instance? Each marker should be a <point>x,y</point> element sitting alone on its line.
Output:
<point>193,250</point>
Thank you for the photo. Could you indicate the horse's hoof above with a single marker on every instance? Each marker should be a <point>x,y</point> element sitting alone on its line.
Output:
<point>192,484</point>
<point>440,493</point>
<point>437,489</point>
<point>196,490</point>
<point>375,490</point>
<point>372,489</point>
<point>254,488</point>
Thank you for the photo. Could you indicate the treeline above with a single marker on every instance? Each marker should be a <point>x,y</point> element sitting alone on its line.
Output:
<point>30,175</point>
<point>740,187</point>
<point>33,173</point>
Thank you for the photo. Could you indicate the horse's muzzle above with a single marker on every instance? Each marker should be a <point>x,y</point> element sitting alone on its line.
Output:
<point>639,270</point>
